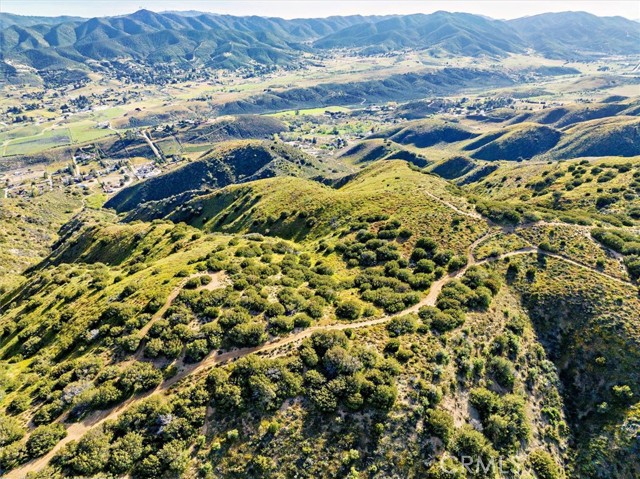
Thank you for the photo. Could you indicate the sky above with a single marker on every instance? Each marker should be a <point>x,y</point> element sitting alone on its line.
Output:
<point>502,9</point>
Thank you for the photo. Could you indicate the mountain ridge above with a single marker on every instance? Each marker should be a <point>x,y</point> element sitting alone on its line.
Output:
<point>170,37</point>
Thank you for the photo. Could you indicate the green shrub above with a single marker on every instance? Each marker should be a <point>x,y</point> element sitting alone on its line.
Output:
<point>196,350</point>
<point>10,430</point>
<point>401,325</point>
<point>90,454</point>
<point>44,438</point>
<point>439,423</point>
<point>470,443</point>
<point>248,334</point>
<point>503,372</point>
<point>544,466</point>
<point>349,309</point>
<point>19,404</point>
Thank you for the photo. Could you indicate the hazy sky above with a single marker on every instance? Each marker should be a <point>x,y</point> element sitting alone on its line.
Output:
<point>321,8</point>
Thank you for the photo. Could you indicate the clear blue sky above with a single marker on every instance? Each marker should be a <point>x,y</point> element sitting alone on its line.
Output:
<point>321,8</point>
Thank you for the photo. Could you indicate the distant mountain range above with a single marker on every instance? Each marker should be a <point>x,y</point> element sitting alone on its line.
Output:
<point>224,41</point>
<point>9,19</point>
<point>563,35</point>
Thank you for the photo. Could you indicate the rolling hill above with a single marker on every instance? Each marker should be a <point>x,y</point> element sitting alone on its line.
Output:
<point>226,163</point>
<point>281,271</point>
<point>287,312</point>
<point>423,134</point>
<point>395,87</point>
<point>9,19</point>
<point>516,143</point>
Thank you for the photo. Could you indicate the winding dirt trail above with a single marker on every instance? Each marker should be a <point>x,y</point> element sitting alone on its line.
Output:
<point>470,214</point>
<point>76,430</point>
<point>217,280</point>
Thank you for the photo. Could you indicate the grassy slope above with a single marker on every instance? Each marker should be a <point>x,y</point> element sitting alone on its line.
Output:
<point>28,228</point>
<point>559,192</point>
<point>298,208</point>
<point>224,164</point>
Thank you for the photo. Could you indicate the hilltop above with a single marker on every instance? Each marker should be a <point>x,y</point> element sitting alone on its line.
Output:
<point>226,163</point>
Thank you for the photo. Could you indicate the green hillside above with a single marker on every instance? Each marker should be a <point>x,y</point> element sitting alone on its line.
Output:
<point>600,138</point>
<point>456,33</point>
<point>28,227</point>
<point>368,303</point>
<point>577,34</point>
<point>521,142</point>
<point>349,247</point>
<point>226,163</point>
<point>578,191</point>
<point>423,134</point>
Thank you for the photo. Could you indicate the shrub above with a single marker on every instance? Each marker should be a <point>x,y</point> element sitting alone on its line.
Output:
<point>418,254</point>
<point>140,376</point>
<point>384,396</point>
<point>44,438</point>
<point>426,243</point>
<point>125,452</point>
<point>349,309</point>
<point>471,443</point>
<point>274,309</point>
<point>196,350</point>
<point>12,455</point>
<point>503,372</point>
<point>456,263</point>
<point>117,314</point>
<point>282,324</point>
<point>19,404</point>
<point>90,454</point>
<point>486,402</point>
<point>544,466</point>
<point>302,320</point>
<point>10,430</point>
<point>248,334</point>
<point>439,423</point>
<point>425,266</point>
<point>401,325</point>
<point>447,321</point>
